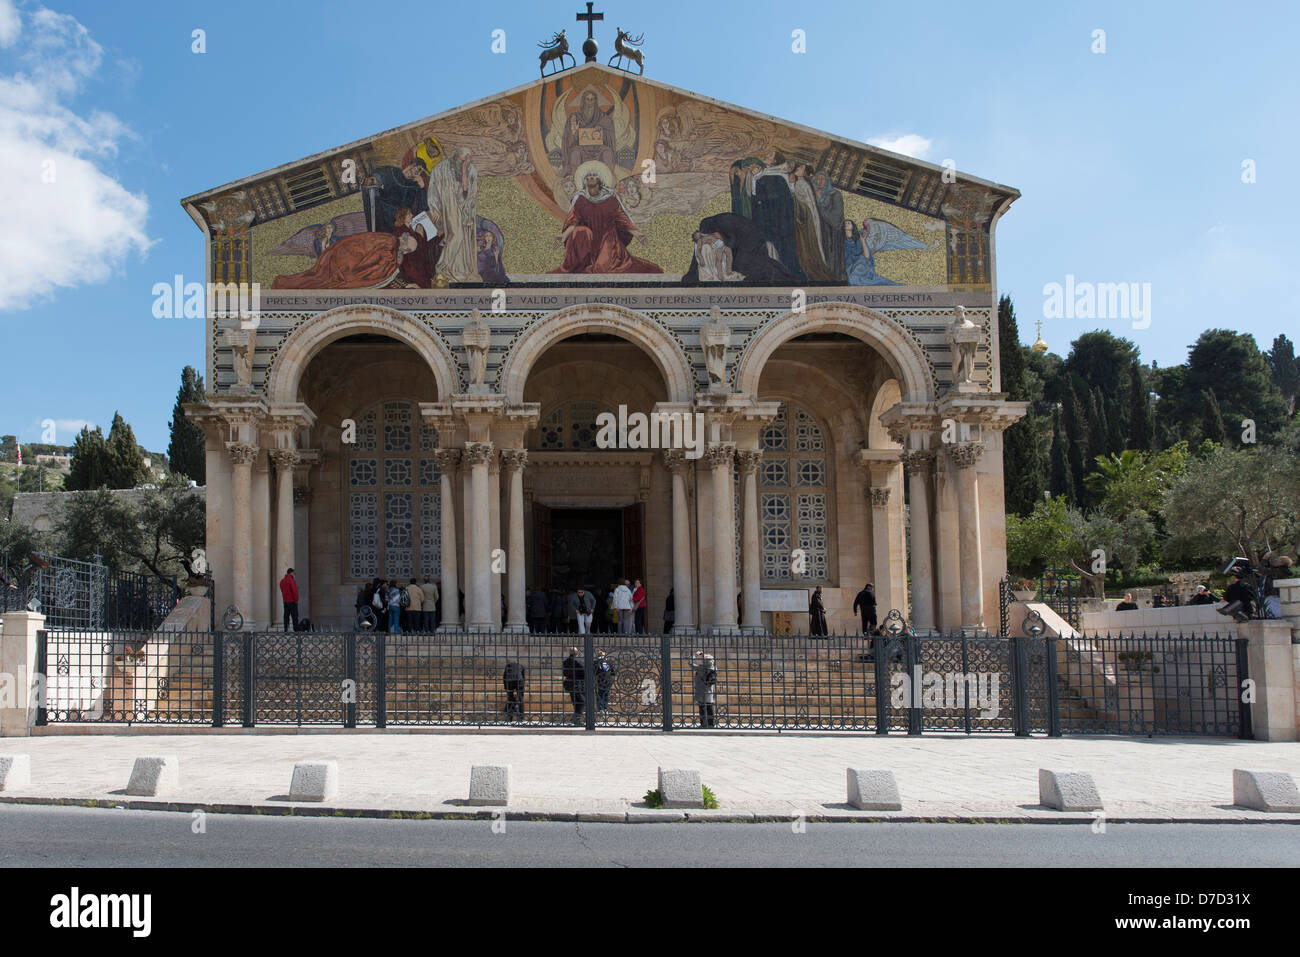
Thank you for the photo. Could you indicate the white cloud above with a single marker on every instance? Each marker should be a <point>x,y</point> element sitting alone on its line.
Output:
<point>909,144</point>
<point>63,220</point>
<point>10,24</point>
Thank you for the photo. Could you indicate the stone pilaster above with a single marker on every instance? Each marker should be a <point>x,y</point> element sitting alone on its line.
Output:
<point>513,462</point>
<point>966,456</point>
<point>683,591</point>
<point>494,532</point>
<point>242,456</point>
<point>751,553</point>
<point>448,461</point>
<point>719,460</point>
<point>284,460</point>
<point>920,469</point>
<point>478,522</point>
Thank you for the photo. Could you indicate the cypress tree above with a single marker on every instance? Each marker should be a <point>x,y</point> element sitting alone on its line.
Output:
<point>90,462</point>
<point>1076,436</point>
<point>1062,484</point>
<point>1212,419</point>
<point>125,460</point>
<point>185,451</point>
<point>1139,412</point>
<point>1022,459</point>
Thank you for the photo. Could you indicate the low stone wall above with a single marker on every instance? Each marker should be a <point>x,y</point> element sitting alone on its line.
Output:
<point>1201,619</point>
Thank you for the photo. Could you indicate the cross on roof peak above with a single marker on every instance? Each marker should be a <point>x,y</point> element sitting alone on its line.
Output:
<point>590,18</point>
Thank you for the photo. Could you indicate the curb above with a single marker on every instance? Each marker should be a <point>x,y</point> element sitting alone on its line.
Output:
<point>720,816</point>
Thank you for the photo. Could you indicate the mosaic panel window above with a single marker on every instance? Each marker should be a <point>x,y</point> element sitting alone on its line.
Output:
<point>393,497</point>
<point>793,498</point>
<point>571,426</point>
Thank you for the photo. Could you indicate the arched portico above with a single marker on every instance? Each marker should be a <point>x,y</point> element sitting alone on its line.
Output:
<point>659,344</point>
<point>887,336</point>
<point>290,363</point>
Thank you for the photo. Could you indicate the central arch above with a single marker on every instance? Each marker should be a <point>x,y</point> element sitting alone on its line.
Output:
<point>298,349</point>
<point>663,349</point>
<point>887,336</point>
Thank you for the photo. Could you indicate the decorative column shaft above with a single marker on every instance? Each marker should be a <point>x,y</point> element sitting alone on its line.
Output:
<point>302,544</point>
<point>683,590</point>
<point>284,460</point>
<point>478,577</point>
<point>965,456</point>
<point>494,538</point>
<point>241,458</point>
<point>920,467</point>
<point>882,537</point>
<point>513,461</point>
<point>751,557</point>
<point>719,460</point>
<point>448,461</point>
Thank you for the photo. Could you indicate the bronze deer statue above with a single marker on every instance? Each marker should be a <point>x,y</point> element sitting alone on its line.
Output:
<point>556,48</point>
<point>624,45</point>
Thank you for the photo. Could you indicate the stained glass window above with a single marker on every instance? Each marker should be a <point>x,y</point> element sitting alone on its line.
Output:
<point>394,500</point>
<point>793,498</point>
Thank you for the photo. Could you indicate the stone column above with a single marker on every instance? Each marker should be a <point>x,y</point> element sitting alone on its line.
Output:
<point>513,461</point>
<point>751,553</point>
<point>448,460</point>
<point>920,467</point>
<point>882,536</point>
<point>478,522</point>
<point>241,457</point>
<point>494,536</point>
<point>1270,658</point>
<point>284,460</point>
<point>965,456</point>
<point>683,590</point>
<point>18,640</point>
<point>718,459</point>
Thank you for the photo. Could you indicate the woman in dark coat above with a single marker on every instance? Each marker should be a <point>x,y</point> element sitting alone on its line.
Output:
<point>816,613</point>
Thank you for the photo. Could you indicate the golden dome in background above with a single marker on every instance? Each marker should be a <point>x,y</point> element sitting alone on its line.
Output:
<point>1039,345</point>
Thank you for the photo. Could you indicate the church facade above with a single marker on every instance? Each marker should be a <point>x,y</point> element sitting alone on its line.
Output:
<point>596,328</point>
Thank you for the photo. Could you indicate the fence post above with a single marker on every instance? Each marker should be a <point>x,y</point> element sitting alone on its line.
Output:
<point>218,679</point>
<point>879,648</point>
<point>1019,666</point>
<point>249,689</point>
<point>1245,727</point>
<point>1053,689</point>
<point>350,680</point>
<point>965,684</point>
<point>381,678</point>
<point>42,713</point>
<point>912,657</point>
<point>666,680</point>
<point>589,679</point>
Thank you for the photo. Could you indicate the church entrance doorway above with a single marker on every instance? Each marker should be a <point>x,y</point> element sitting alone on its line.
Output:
<point>587,547</point>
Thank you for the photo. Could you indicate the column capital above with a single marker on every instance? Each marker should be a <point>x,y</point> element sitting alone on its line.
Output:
<point>241,453</point>
<point>879,496</point>
<point>302,495</point>
<point>478,453</point>
<point>284,458</point>
<point>514,460</point>
<point>494,462</point>
<point>675,461</point>
<point>719,456</point>
<point>747,460</point>
<point>448,460</point>
<point>919,460</point>
<point>966,454</point>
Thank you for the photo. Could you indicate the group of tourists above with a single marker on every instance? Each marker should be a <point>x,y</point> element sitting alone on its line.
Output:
<point>413,607</point>
<point>621,609</point>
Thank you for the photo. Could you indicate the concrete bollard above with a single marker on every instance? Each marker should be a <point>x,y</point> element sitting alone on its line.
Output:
<point>680,787</point>
<point>1265,791</point>
<point>873,790</point>
<point>15,771</point>
<point>489,784</point>
<point>1068,791</point>
<point>155,777</point>
<point>314,781</point>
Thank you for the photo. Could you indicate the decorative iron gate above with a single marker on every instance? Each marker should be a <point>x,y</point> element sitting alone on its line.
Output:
<point>907,684</point>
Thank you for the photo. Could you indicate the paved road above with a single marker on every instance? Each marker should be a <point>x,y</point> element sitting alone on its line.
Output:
<point>81,837</point>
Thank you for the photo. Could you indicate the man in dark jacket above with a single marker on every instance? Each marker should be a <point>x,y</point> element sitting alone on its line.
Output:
<point>866,602</point>
<point>513,680</point>
<point>575,683</point>
<point>1240,598</point>
<point>1203,596</point>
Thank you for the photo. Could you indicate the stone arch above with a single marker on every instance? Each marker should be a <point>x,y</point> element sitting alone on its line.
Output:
<point>302,345</point>
<point>666,351</point>
<point>901,352</point>
<point>887,396</point>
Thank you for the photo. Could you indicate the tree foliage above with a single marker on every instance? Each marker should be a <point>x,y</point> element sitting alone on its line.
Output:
<point>185,451</point>
<point>90,467</point>
<point>157,532</point>
<point>126,468</point>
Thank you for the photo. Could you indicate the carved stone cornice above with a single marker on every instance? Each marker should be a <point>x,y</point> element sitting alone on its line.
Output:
<point>720,456</point>
<point>479,453</point>
<point>747,460</point>
<point>284,459</point>
<point>241,453</point>
<point>965,454</point>
<point>302,495</point>
<point>448,460</point>
<point>513,460</point>
<point>879,496</point>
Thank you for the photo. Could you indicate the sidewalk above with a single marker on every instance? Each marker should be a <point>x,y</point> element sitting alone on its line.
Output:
<point>605,775</point>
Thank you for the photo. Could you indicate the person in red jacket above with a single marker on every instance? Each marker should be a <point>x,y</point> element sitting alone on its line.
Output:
<point>639,603</point>
<point>289,592</point>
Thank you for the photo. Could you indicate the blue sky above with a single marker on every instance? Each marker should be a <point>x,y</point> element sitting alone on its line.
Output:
<point>1129,161</point>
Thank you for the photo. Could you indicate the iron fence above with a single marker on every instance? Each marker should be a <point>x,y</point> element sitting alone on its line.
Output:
<point>74,594</point>
<point>1060,592</point>
<point>906,684</point>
